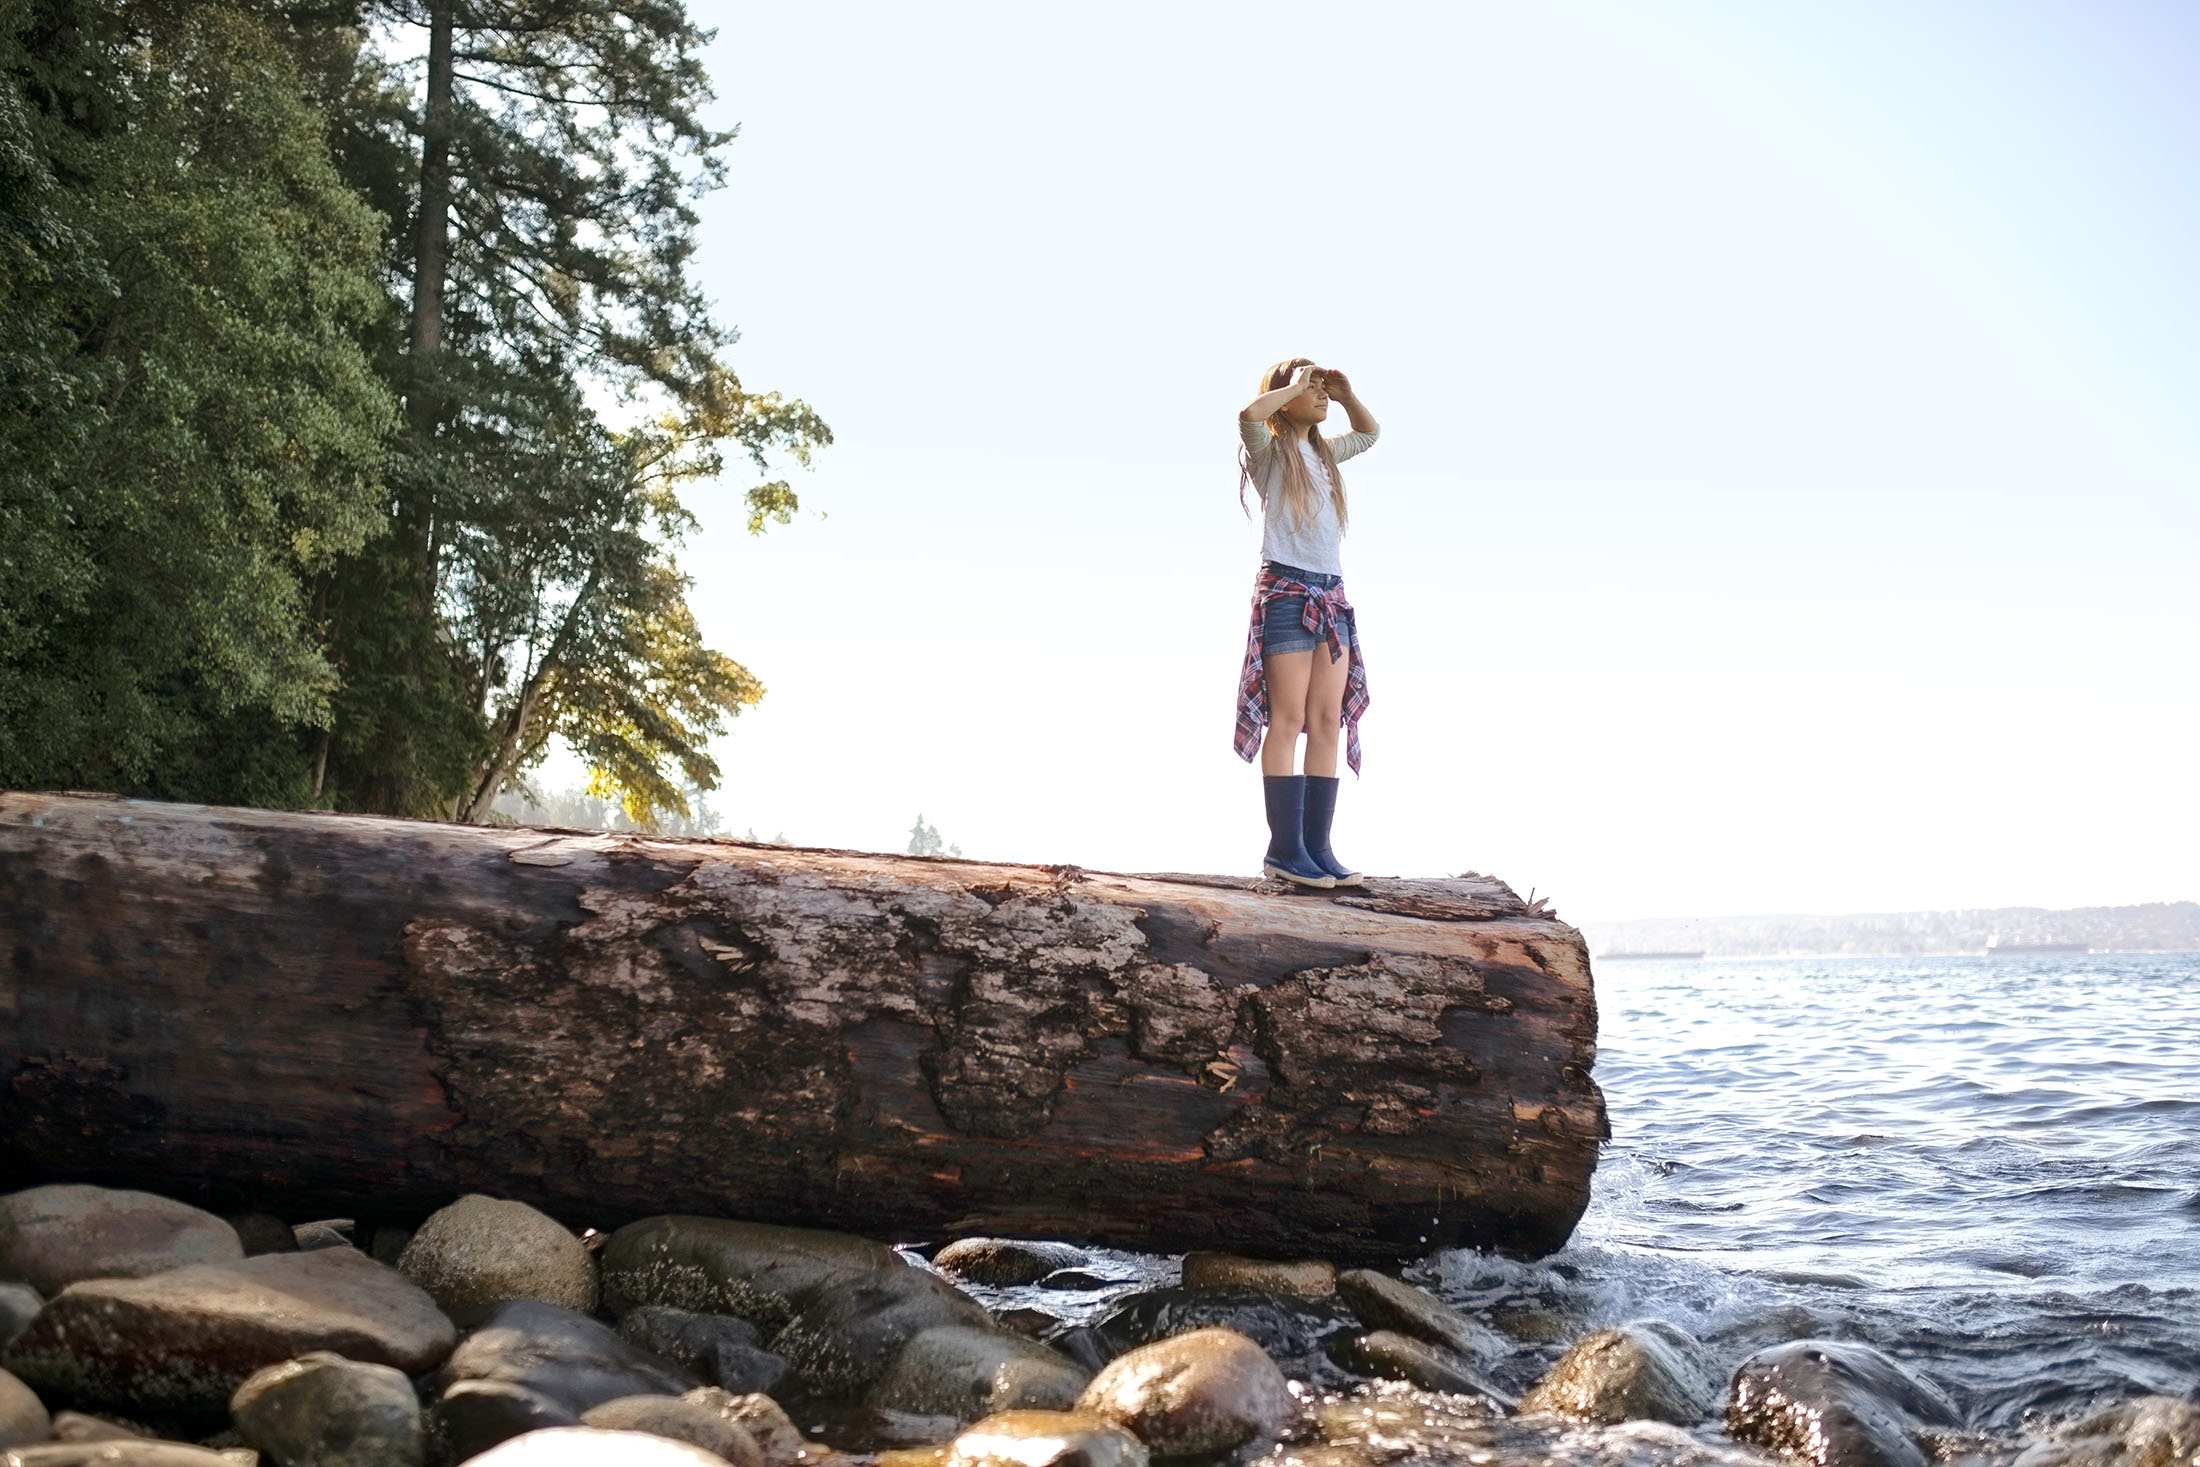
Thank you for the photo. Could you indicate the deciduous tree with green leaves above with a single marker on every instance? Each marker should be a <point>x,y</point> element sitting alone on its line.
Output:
<point>191,430</point>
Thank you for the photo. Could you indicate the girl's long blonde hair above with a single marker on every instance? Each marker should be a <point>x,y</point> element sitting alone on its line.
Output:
<point>1298,488</point>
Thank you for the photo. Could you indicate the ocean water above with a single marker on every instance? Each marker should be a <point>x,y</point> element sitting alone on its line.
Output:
<point>1987,1167</point>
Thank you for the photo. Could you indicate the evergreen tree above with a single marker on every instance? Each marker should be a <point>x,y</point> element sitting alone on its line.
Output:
<point>542,255</point>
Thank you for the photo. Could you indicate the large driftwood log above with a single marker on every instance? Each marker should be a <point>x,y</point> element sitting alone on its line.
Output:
<point>337,1012</point>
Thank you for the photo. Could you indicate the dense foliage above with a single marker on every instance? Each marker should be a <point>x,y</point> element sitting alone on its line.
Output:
<point>350,368</point>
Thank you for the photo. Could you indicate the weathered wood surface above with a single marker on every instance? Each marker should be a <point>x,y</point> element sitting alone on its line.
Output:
<point>371,1016</point>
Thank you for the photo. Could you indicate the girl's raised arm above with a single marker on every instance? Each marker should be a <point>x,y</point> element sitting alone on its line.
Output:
<point>1263,407</point>
<point>1340,390</point>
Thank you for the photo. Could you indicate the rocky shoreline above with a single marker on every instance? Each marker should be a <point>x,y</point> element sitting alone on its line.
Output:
<point>143,1332</point>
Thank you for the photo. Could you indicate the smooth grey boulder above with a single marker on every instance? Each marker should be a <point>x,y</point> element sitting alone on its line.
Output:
<point>1306,1279</point>
<point>262,1232</point>
<point>1212,1390</point>
<point>1393,1356</point>
<point>848,1335</point>
<point>969,1372</point>
<point>755,1271</point>
<point>1296,1333</point>
<point>76,1426</point>
<point>1045,1439</point>
<point>718,1348</point>
<point>588,1446</point>
<point>771,1428</point>
<point>1393,1304</point>
<point>1644,1370</point>
<point>2151,1431</point>
<point>23,1417</point>
<point>1836,1404</point>
<point>321,1410</point>
<point>19,1305</point>
<point>181,1342</point>
<point>480,1252</point>
<point>52,1237</point>
<point>135,1452</point>
<point>533,1365</point>
<point>1004,1261</point>
<point>329,1232</point>
<point>682,1420</point>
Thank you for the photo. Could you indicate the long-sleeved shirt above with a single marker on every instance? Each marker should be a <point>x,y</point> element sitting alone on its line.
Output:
<point>1316,545</point>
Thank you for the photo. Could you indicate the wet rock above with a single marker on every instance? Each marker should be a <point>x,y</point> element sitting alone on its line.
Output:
<point>969,1372</point>
<point>533,1365</point>
<point>1004,1260</point>
<point>1030,1323</point>
<point>1393,1304</point>
<point>682,1420</point>
<point>588,1446</point>
<point>51,1237</point>
<point>882,1428</point>
<point>1076,1281</point>
<point>2152,1431</point>
<point>1310,1279</point>
<point>19,1305</point>
<point>1532,1326</point>
<point>1211,1390</point>
<point>183,1341</point>
<point>1392,1356</point>
<point>761,1273</point>
<point>138,1452</point>
<point>771,1428</point>
<point>1645,1370</point>
<point>331,1232</point>
<point>1836,1404</point>
<point>23,1417</point>
<point>1085,1345</point>
<point>321,1410</point>
<point>1045,1439</point>
<point>847,1336</point>
<point>480,1252</point>
<point>262,1232</point>
<point>717,1348</point>
<point>1323,1456</point>
<point>1294,1332</point>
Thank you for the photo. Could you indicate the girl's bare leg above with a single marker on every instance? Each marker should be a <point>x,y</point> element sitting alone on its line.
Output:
<point>1324,710</point>
<point>1288,674</point>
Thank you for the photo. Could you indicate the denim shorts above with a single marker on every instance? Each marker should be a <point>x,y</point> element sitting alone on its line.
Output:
<point>1283,628</point>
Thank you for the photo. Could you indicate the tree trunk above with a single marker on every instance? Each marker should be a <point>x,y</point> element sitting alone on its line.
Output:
<point>340,1013</point>
<point>431,244</point>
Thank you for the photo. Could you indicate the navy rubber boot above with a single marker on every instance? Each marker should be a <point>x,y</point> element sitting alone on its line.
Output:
<point>1287,859</point>
<point>1321,808</point>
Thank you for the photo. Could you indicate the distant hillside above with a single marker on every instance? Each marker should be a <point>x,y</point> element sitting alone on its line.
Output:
<point>2151,927</point>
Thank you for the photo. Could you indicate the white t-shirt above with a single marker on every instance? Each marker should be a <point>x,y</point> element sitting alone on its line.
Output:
<point>1316,545</point>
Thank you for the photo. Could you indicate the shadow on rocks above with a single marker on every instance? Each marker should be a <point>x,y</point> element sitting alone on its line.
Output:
<point>720,1349</point>
<point>533,1365</point>
<point>1835,1404</point>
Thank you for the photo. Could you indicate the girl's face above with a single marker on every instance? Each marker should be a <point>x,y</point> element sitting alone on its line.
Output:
<point>1310,406</point>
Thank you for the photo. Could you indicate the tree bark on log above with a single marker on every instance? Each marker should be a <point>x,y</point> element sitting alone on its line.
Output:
<point>346,1014</point>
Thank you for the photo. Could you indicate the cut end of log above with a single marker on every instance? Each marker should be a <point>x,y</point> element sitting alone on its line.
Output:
<point>374,1016</point>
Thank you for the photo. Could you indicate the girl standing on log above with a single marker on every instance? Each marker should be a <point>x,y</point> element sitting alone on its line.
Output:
<point>1300,610</point>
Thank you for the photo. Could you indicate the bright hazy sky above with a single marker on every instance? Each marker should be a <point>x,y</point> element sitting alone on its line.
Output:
<point>1789,491</point>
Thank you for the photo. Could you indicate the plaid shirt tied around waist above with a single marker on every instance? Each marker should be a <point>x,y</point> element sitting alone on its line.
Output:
<point>1325,606</point>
